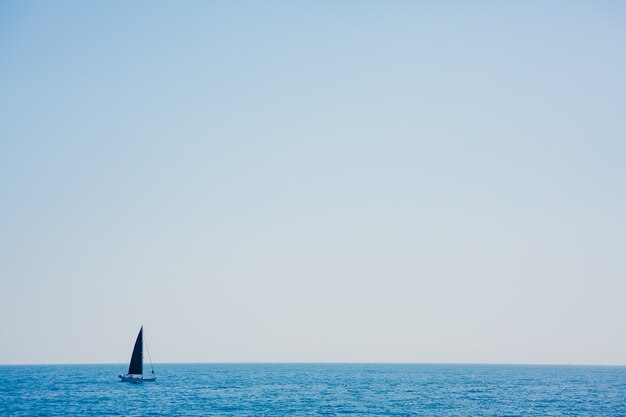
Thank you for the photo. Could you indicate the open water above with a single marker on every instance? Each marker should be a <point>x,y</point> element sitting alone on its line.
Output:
<point>315,389</point>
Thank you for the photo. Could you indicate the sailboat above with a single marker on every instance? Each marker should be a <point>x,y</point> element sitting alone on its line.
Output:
<point>135,369</point>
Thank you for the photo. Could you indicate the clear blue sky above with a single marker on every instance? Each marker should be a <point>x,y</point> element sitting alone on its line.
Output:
<point>324,181</point>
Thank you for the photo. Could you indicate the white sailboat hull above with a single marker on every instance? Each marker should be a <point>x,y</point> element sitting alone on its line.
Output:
<point>136,379</point>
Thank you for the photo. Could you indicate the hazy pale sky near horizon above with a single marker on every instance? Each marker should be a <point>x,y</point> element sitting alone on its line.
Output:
<point>323,181</point>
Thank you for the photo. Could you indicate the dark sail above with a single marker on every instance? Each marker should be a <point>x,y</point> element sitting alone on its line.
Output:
<point>136,361</point>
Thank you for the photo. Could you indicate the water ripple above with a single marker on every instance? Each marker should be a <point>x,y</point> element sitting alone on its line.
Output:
<point>316,390</point>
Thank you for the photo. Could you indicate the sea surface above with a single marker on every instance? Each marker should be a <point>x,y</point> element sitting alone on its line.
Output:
<point>315,389</point>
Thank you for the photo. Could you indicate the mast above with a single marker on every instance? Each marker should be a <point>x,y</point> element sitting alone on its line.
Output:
<point>136,360</point>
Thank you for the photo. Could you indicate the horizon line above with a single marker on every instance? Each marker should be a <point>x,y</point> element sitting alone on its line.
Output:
<point>322,363</point>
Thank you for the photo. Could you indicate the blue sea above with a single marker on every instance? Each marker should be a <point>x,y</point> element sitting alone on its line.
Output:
<point>315,389</point>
